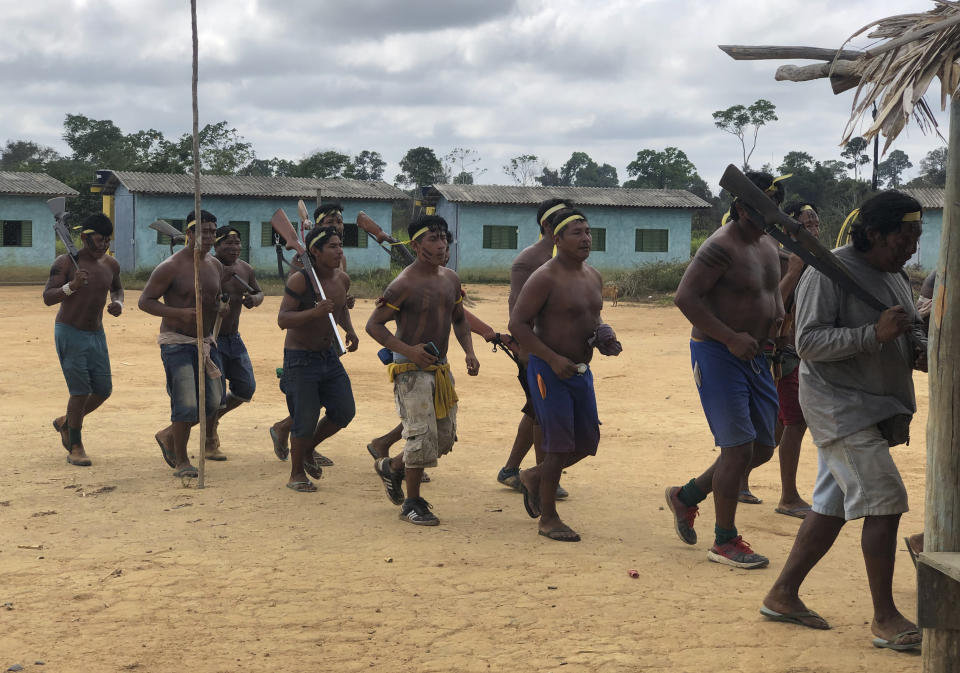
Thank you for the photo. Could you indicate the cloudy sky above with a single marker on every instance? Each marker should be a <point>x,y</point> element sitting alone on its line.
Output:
<point>504,77</point>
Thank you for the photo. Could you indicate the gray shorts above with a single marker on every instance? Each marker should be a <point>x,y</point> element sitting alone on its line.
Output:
<point>427,436</point>
<point>856,477</point>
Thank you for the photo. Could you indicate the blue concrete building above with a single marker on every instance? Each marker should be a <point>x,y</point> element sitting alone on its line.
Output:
<point>134,200</point>
<point>928,251</point>
<point>492,223</point>
<point>27,238</point>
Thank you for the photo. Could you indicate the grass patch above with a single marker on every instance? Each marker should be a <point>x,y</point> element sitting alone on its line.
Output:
<point>657,281</point>
<point>485,276</point>
<point>24,275</point>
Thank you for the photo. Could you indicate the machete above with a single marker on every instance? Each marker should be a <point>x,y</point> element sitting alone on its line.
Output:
<point>176,236</point>
<point>240,280</point>
<point>57,207</point>
<point>281,224</point>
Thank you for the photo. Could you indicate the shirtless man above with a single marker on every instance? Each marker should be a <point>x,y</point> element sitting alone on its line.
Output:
<point>172,281</point>
<point>78,330</point>
<point>528,261</point>
<point>230,353</point>
<point>329,214</point>
<point>313,378</point>
<point>730,294</point>
<point>556,319</point>
<point>426,300</point>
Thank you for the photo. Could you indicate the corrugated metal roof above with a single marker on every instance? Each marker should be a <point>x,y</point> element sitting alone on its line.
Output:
<point>256,187</point>
<point>929,197</point>
<point>582,196</point>
<point>40,184</point>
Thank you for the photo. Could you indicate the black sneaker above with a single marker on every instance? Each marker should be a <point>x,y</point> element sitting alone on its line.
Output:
<point>392,481</point>
<point>417,511</point>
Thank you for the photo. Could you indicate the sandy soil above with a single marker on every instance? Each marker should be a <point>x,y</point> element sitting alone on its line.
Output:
<point>120,566</point>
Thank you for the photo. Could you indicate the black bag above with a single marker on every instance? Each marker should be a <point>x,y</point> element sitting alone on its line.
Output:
<point>896,429</point>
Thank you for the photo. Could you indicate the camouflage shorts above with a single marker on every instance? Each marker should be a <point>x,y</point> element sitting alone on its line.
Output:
<point>427,437</point>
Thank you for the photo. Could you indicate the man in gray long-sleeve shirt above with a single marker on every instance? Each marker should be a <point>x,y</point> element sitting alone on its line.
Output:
<point>856,373</point>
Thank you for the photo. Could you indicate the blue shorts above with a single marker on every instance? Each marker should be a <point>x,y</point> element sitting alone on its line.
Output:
<point>180,365</point>
<point>232,360</point>
<point>738,397</point>
<point>84,360</point>
<point>315,380</point>
<point>566,409</point>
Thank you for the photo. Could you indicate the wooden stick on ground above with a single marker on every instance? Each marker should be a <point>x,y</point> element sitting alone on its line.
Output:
<point>198,290</point>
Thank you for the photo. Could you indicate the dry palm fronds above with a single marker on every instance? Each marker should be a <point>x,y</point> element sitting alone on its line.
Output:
<point>895,74</point>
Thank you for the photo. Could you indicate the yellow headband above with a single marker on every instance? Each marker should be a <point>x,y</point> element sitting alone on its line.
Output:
<point>565,222</point>
<point>319,238</point>
<point>190,224</point>
<point>232,231</point>
<point>912,217</point>
<point>419,233</point>
<point>807,207</point>
<point>773,185</point>
<point>551,211</point>
<point>327,213</point>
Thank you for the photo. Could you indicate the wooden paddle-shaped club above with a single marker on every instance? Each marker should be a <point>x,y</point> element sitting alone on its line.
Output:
<point>282,225</point>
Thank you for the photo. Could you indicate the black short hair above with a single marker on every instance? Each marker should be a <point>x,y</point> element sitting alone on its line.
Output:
<point>431,222</point>
<point>205,216</point>
<point>325,209</point>
<point>547,205</point>
<point>765,182</point>
<point>98,223</point>
<point>882,213</point>
<point>322,234</point>
<point>560,216</point>
<point>794,207</point>
<point>223,232</point>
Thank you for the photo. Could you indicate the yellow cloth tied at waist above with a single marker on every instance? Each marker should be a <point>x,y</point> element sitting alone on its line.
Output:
<point>444,396</point>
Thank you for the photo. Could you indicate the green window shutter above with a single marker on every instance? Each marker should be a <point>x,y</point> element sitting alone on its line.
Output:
<point>163,239</point>
<point>652,240</point>
<point>362,238</point>
<point>26,234</point>
<point>599,239</point>
<point>497,237</point>
<point>266,235</point>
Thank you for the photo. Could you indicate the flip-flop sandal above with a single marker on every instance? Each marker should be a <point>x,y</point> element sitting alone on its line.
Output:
<point>373,452</point>
<point>798,512</point>
<point>63,439</point>
<point>321,460</point>
<point>312,469</point>
<point>302,486</point>
<point>748,498</point>
<point>168,457</point>
<point>562,534</point>
<point>281,452</point>
<point>531,504</point>
<point>892,644</point>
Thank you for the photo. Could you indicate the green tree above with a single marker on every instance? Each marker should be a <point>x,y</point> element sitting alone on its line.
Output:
<point>582,171</point>
<point>367,165</point>
<point>327,164</point>
<point>550,178</point>
<point>891,169</point>
<point>855,151</point>
<point>523,169</point>
<point>420,167</point>
<point>463,165</point>
<point>745,122</point>
<point>463,178</point>
<point>270,168</point>
<point>95,141</point>
<point>25,155</point>
<point>933,170</point>
<point>223,151</point>
<point>669,169</point>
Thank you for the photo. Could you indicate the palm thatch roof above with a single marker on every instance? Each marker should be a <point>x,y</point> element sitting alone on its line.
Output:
<point>896,74</point>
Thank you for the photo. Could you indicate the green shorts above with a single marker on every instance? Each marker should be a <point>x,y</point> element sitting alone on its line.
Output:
<point>84,360</point>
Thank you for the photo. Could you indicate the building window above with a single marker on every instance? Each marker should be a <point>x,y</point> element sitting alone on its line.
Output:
<point>163,239</point>
<point>497,237</point>
<point>17,234</point>
<point>353,236</point>
<point>652,240</point>
<point>599,237</point>
<point>266,235</point>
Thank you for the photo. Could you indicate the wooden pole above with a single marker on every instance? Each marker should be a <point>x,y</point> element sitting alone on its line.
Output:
<point>197,235</point>
<point>941,647</point>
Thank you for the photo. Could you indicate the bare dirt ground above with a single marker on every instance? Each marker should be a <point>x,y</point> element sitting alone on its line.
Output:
<point>120,566</point>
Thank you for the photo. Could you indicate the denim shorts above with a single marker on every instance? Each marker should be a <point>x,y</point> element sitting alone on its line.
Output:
<point>315,380</point>
<point>180,365</point>
<point>84,360</point>
<point>566,409</point>
<point>232,360</point>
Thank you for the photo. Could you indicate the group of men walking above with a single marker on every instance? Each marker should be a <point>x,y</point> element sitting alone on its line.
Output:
<point>839,367</point>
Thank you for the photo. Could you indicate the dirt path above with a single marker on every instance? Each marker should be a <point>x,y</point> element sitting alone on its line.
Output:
<point>120,567</point>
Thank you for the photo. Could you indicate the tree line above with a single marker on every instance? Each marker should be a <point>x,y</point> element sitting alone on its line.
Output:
<point>99,143</point>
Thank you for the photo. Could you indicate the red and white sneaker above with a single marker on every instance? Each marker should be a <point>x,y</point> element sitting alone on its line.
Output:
<point>737,553</point>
